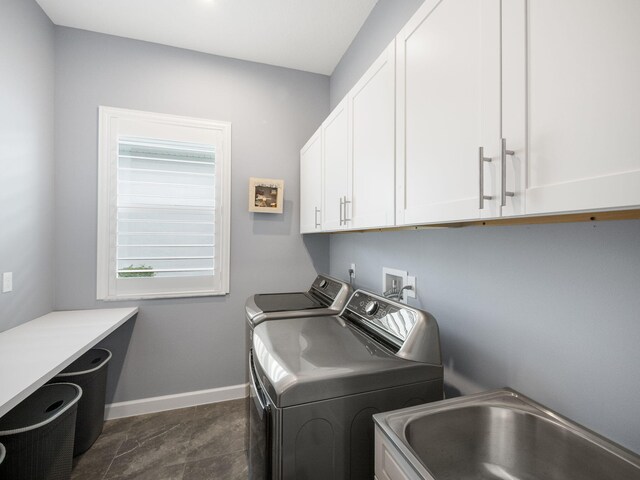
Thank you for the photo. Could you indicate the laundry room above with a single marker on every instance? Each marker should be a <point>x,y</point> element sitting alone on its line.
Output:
<point>300,240</point>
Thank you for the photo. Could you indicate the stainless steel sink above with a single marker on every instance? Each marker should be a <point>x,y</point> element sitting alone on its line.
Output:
<point>502,435</point>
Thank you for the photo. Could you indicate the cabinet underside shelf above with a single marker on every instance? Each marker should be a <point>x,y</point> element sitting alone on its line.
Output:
<point>525,220</point>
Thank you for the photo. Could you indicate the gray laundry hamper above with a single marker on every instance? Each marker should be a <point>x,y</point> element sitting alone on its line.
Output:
<point>89,372</point>
<point>38,434</point>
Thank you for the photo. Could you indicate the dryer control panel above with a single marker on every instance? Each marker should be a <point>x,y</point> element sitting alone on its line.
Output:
<point>368,306</point>
<point>384,317</point>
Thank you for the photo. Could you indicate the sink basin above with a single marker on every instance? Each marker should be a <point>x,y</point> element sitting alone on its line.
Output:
<point>502,435</point>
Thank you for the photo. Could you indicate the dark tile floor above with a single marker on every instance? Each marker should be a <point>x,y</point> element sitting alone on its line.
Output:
<point>196,443</point>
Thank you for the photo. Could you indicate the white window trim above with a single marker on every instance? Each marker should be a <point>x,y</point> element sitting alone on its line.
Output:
<point>107,179</point>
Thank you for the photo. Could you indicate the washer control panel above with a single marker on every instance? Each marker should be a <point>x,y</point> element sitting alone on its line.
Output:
<point>327,287</point>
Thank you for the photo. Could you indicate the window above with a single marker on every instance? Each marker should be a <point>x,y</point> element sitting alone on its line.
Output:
<point>163,206</point>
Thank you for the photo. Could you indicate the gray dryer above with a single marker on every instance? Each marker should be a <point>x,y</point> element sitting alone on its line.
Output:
<point>317,381</point>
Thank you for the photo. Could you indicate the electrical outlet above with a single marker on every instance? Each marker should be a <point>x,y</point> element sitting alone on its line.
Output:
<point>353,270</point>
<point>7,282</point>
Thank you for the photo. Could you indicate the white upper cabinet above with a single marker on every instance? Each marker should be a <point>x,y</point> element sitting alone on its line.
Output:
<point>448,107</point>
<point>571,79</point>
<point>372,112</point>
<point>498,108</point>
<point>336,175</point>
<point>311,185</point>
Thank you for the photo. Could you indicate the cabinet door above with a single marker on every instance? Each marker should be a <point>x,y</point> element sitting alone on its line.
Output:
<point>336,168</point>
<point>372,107</point>
<point>448,106</point>
<point>572,92</point>
<point>311,184</point>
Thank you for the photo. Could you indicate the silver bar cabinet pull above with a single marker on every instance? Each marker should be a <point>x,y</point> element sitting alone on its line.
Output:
<point>341,205</point>
<point>481,160</point>
<point>317,224</point>
<point>345,210</point>
<point>503,157</point>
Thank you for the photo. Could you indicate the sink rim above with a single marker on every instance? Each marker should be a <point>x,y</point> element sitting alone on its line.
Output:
<point>394,424</point>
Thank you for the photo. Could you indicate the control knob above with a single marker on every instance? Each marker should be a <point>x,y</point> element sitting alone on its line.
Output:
<point>371,308</point>
<point>323,284</point>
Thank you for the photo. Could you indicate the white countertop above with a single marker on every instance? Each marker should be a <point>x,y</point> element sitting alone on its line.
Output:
<point>34,352</point>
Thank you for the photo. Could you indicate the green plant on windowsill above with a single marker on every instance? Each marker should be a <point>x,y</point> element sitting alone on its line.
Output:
<point>136,273</point>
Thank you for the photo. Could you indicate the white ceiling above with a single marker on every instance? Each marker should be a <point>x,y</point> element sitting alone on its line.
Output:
<point>310,35</point>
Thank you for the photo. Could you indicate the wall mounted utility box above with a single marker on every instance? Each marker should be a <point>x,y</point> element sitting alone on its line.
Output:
<point>393,280</point>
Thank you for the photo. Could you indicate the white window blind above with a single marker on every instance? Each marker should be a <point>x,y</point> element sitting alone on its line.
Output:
<point>164,208</point>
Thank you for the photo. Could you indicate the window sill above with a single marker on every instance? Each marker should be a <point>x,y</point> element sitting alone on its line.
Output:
<point>151,296</point>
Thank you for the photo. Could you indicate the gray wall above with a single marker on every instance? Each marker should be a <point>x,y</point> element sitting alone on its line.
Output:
<point>382,25</point>
<point>550,310</point>
<point>184,344</point>
<point>26,160</point>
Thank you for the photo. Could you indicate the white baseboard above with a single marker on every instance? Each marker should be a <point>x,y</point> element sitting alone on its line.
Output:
<point>172,402</point>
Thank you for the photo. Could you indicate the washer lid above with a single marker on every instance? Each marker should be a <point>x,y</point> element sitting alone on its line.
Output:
<point>279,302</point>
<point>317,358</point>
<point>327,296</point>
